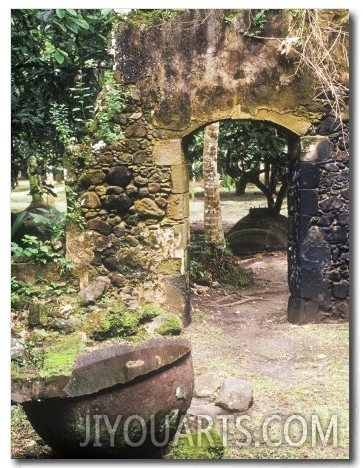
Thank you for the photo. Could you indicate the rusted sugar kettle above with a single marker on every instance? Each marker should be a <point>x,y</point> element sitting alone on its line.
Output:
<point>122,401</point>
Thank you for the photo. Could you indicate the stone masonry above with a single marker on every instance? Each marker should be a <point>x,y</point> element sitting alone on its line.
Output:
<point>181,74</point>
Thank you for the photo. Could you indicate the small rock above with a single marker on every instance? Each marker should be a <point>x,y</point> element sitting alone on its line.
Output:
<point>235,395</point>
<point>147,207</point>
<point>100,226</point>
<point>90,200</point>
<point>120,176</point>
<point>117,280</point>
<point>17,349</point>
<point>40,332</point>
<point>206,385</point>
<point>37,314</point>
<point>136,130</point>
<point>111,263</point>
<point>205,410</point>
<point>94,291</point>
<point>66,309</point>
<point>135,115</point>
<point>66,325</point>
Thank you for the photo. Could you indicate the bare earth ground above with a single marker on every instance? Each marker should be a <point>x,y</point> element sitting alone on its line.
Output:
<point>295,371</point>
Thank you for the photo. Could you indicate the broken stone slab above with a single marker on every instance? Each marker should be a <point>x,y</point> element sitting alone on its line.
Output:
<point>91,293</point>
<point>206,385</point>
<point>236,395</point>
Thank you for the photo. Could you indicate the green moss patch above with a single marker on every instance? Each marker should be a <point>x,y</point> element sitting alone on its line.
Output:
<point>172,325</point>
<point>203,446</point>
<point>59,357</point>
<point>108,323</point>
<point>118,321</point>
<point>144,17</point>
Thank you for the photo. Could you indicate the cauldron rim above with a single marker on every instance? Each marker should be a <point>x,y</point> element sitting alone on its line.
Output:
<point>104,368</point>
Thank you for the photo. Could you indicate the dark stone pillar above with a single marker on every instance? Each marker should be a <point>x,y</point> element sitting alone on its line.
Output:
<point>309,250</point>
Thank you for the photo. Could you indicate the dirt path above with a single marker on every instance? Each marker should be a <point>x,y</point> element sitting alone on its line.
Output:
<point>293,369</point>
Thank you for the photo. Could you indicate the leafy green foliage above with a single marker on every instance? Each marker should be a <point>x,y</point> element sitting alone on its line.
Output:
<point>38,251</point>
<point>59,118</point>
<point>230,15</point>
<point>210,263</point>
<point>74,209</point>
<point>22,291</point>
<point>113,101</point>
<point>33,354</point>
<point>243,146</point>
<point>54,51</point>
<point>48,220</point>
<point>258,22</point>
<point>20,288</point>
<point>83,110</point>
<point>227,181</point>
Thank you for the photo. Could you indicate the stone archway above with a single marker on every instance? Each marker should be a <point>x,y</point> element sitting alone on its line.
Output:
<point>135,195</point>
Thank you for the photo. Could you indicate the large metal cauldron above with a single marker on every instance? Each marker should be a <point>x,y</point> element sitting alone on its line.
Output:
<point>120,402</point>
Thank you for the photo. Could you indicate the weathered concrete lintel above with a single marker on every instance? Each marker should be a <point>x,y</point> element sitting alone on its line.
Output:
<point>289,120</point>
<point>294,123</point>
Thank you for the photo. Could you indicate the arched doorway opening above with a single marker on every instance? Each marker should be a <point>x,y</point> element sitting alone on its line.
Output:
<point>255,161</point>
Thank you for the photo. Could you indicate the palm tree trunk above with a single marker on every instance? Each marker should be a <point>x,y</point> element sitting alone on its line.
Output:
<point>213,230</point>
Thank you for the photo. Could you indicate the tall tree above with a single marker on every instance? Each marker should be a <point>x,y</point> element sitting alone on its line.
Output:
<point>247,150</point>
<point>213,230</point>
<point>57,60</point>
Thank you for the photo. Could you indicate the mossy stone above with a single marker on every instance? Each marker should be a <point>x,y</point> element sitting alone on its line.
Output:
<point>103,324</point>
<point>172,325</point>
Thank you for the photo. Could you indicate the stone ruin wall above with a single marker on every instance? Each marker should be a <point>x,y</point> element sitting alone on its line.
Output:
<point>136,194</point>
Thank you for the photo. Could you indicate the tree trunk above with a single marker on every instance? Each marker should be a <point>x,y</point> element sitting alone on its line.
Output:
<point>255,180</point>
<point>241,184</point>
<point>35,184</point>
<point>213,230</point>
<point>281,195</point>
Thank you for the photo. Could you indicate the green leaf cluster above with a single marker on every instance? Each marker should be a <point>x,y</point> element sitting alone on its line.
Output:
<point>212,263</point>
<point>258,22</point>
<point>52,52</point>
<point>23,291</point>
<point>112,102</point>
<point>35,250</point>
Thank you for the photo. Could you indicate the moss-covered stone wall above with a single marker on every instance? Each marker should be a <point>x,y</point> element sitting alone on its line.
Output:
<point>181,73</point>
